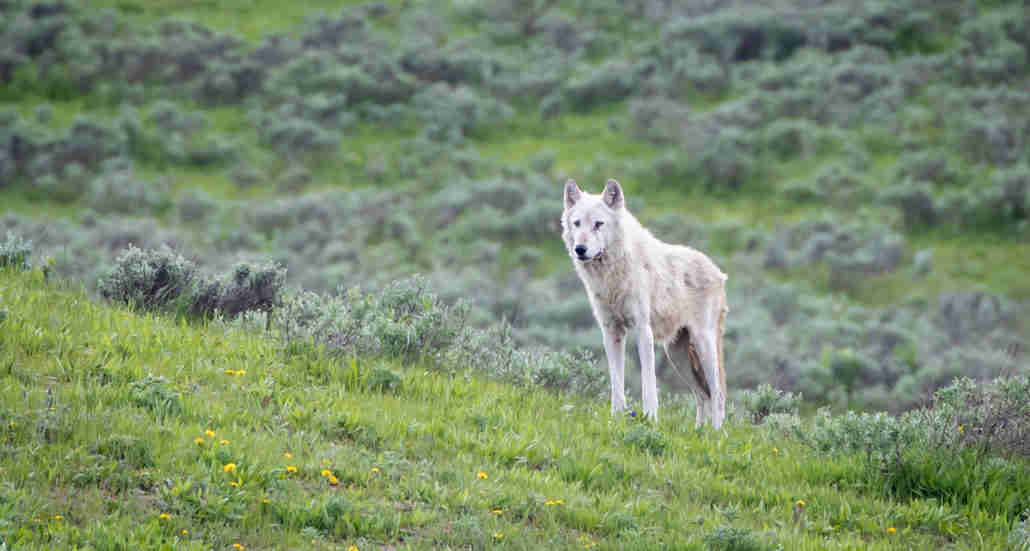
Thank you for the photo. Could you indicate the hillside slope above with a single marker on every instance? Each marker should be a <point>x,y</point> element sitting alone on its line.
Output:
<point>129,431</point>
<point>859,169</point>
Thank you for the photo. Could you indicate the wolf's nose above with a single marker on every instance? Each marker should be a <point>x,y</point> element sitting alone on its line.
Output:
<point>581,250</point>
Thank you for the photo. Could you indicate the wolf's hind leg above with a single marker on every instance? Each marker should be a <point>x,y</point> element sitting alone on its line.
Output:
<point>687,364</point>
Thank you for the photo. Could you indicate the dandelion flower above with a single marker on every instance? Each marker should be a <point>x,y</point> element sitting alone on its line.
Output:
<point>891,530</point>
<point>327,473</point>
<point>234,484</point>
<point>291,469</point>
<point>960,428</point>
<point>198,441</point>
<point>288,455</point>
<point>223,442</point>
<point>238,546</point>
<point>185,532</point>
<point>241,371</point>
<point>800,502</point>
<point>230,371</point>
<point>333,480</point>
<point>352,548</point>
<point>264,500</point>
<point>375,470</point>
<point>58,517</point>
<point>164,516</point>
<point>496,511</point>
<point>229,467</point>
<point>481,475</point>
<point>498,536</point>
<point>209,433</point>
<point>776,451</point>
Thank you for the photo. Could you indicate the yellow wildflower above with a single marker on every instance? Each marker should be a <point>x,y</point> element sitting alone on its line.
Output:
<point>241,371</point>
<point>327,473</point>
<point>264,500</point>
<point>800,502</point>
<point>333,480</point>
<point>209,433</point>
<point>230,371</point>
<point>288,455</point>
<point>496,511</point>
<point>891,530</point>
<point>481,475</point>
<point>58,517</point>
<point>291,469</point>
<point>229,467</point>
<point>184,532</point>
<point>223,442</point>
<point>352,548</point>
<point>234,484</point>
<point>498,536</point>
<point>375,470</point>
<point>238,546</point>
<point>164,516</point>
<point>198,441</point>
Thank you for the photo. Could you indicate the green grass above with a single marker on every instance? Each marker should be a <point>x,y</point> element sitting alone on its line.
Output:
<point>251,19</point>
<point>104,427</point>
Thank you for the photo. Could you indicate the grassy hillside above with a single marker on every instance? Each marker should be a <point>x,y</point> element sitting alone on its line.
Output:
<point>123,430</point>
<point>859,169</point>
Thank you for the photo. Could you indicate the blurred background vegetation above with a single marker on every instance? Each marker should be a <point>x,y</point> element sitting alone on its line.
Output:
<point>860,169</point>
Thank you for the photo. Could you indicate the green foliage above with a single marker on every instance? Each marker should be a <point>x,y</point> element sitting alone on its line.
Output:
<point>766,400</point>
<point>164,280</point>
<point>153,393</point>
<point>15,252</point>
<point>965,445</point>
<point>275,437</point>
<point>728,538</point>
<point>645,439</point>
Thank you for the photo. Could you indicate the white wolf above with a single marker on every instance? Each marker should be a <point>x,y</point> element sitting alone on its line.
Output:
<point>671,294</point>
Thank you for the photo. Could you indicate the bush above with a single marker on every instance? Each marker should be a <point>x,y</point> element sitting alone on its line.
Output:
<point>118,190</point>
<point>646,439</point>
<point>727,162</point>
<point>196,206</point>
<point>611,82</point>
<point>150,279</point>
<point>955,449</point>
<point>162,280</point>
<point>916,201</point>
<point>453,114</point>
<point>767,400</point>
<point>659,120</point>
<point>15,252</point>
<point>248,288</point>
<point>728,538</point>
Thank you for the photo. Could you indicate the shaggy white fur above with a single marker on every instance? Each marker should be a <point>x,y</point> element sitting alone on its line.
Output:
<point>671,294</point>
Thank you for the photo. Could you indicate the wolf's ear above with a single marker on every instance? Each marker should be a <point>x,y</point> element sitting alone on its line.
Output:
<point>572,193</point>
<point>613,194</point>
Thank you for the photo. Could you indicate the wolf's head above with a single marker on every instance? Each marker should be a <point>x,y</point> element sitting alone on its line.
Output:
<point>591,223</point>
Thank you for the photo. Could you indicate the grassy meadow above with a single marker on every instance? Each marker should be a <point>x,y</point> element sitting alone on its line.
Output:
<point>130,431</point>
<point>289,275</point>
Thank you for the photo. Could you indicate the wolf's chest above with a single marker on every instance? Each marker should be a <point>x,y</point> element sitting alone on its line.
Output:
<point>615,302</point>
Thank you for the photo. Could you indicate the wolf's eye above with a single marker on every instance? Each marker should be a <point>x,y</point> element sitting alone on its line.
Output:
<point>575,223</point>
<point>598,224</point>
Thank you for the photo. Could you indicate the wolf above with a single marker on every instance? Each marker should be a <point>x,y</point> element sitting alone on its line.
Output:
<point>670,294</point>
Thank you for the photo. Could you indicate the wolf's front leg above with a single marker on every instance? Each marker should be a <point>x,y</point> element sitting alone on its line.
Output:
<point>648,380</point>
<point>615,350</point>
